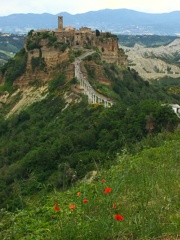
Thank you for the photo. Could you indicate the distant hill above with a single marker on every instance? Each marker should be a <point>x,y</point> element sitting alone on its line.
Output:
<point>10,44</point>
<point>121,21</point>
<point>153,57</point>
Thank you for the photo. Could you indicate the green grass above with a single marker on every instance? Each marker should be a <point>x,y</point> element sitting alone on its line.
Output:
<point>144,187</point>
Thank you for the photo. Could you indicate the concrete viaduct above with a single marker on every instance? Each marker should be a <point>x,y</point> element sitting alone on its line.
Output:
<point>93,96</point>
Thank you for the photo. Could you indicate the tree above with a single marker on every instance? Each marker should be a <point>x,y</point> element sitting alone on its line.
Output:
<point>97,33</point>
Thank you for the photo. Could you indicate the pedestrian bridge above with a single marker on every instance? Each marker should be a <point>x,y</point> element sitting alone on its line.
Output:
<point>93,96</point>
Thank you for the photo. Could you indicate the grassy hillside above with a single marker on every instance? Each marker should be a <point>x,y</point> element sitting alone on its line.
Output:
<point>49,147</point>
<point>137,198</point>
<point>47,136</point>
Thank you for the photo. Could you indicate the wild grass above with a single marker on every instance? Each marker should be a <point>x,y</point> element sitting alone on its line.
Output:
<point>142,189</point>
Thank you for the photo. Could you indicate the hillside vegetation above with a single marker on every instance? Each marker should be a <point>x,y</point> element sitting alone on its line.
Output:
<point>137,198</point>
<point>10,44</point>
<point>109,173</point>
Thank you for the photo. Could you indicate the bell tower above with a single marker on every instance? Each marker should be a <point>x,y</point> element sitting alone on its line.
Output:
<point>60,22</point>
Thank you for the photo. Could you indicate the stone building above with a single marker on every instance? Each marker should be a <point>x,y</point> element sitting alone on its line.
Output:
<point>43,52</point>
<point>75,37</point>
<point>84,37</point>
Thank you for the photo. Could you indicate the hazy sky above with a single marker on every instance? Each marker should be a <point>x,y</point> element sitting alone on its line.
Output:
<point>8,7</point>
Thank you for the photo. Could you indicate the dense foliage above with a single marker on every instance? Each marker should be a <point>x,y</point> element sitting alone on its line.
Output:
<point>14,68</point>
<point>59,146</point>
<point>34,40</point>
<point>52,144</point>
<point>43,140</point>
<point>169,85</point>
<point>138,198</point>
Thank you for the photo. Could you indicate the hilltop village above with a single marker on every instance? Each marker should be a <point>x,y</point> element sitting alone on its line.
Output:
<point>86,37</point>
<point>47,49</point>
<point>49,53</point>
<point>83,37</point>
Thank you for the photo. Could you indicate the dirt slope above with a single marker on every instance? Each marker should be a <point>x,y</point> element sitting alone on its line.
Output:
<point>154,63</point>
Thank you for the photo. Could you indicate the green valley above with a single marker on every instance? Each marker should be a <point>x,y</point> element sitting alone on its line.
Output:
<point>10,44</point>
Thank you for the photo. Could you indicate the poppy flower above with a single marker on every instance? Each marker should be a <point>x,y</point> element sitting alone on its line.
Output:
<point>85,201</point>
<point>103,180</point>
<point>118,217</point>
<point>56,207</point>
<point>72,206</point>
<point>107,190</point>
<point>114,205</point>
<point>78,193</point>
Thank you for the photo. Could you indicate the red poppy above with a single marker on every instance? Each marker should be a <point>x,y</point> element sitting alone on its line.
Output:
<point>103,180</point>
<point>118,217</point>
<point>114,205</point>
<point>72,206</point>
<point>85,201</point>
<point>107,190</point>
<point>78,193</point>
<point>56,207</point>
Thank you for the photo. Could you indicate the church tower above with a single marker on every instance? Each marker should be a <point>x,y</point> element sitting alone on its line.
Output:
<point>60,22</point>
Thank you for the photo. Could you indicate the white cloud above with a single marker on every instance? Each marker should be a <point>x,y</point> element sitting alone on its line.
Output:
<point>79,6</point>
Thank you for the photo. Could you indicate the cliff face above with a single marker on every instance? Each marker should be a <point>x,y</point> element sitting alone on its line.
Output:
<point>47,54</point>
<point>49,64</point>
<point>44,61</point>
<point>50,52</point>
<point>109,50</point>
<point>155,62</point>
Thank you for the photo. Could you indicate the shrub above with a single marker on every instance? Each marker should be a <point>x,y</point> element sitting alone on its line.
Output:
<point>57,82</point>
<point>15,67</point>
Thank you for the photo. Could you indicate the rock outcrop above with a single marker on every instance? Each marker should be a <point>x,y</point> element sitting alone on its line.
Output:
<point>48,51</point>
